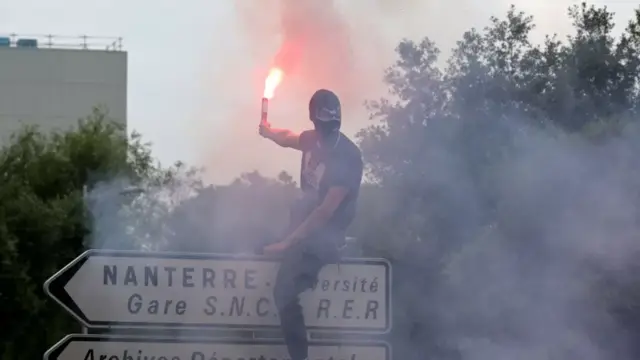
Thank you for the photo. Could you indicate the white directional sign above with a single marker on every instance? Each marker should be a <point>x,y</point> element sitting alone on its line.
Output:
<point>145,289</point>
<point>93,347</point>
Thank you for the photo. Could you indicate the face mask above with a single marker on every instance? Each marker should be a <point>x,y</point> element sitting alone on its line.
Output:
<point>325,128</point>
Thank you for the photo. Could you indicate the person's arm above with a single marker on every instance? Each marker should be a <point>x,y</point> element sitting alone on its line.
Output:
<point>320,215</point>
<point>283,137</point>
<point>344,176</point>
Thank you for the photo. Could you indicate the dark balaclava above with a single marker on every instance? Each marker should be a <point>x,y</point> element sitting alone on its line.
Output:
<point>325,112</point>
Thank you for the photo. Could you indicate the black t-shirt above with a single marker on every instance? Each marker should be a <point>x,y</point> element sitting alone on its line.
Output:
<point>337,163</point>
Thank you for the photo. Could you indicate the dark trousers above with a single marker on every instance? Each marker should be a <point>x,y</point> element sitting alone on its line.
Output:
<point>298,272</point>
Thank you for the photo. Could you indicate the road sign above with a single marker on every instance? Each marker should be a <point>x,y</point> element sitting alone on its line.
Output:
<point>106,347</point>
<point>177,290</point>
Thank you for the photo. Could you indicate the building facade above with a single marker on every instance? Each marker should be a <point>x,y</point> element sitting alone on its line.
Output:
<point>52,85</point>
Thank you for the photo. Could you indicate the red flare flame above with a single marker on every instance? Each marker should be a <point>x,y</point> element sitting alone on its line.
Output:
<point>273,80</point>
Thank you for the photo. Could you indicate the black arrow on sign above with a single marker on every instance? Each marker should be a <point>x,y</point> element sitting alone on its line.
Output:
<point>55,287</point>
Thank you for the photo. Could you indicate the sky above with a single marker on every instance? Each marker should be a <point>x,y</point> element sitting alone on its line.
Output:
<point>196,71</point>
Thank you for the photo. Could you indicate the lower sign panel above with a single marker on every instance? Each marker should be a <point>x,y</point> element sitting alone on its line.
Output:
<point>93,347</point>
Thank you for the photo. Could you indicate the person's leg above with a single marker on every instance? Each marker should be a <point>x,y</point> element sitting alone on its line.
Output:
<point>298,272</point>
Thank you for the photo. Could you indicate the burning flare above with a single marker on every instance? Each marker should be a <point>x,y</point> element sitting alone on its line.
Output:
<point>271,83</point>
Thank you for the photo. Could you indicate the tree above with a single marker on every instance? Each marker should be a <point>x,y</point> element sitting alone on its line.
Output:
<point>487,167</point>
<point>44,222</point>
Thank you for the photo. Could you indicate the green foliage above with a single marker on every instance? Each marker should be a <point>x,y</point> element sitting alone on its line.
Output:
<point>44,222</point>
<point>498,168</point>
